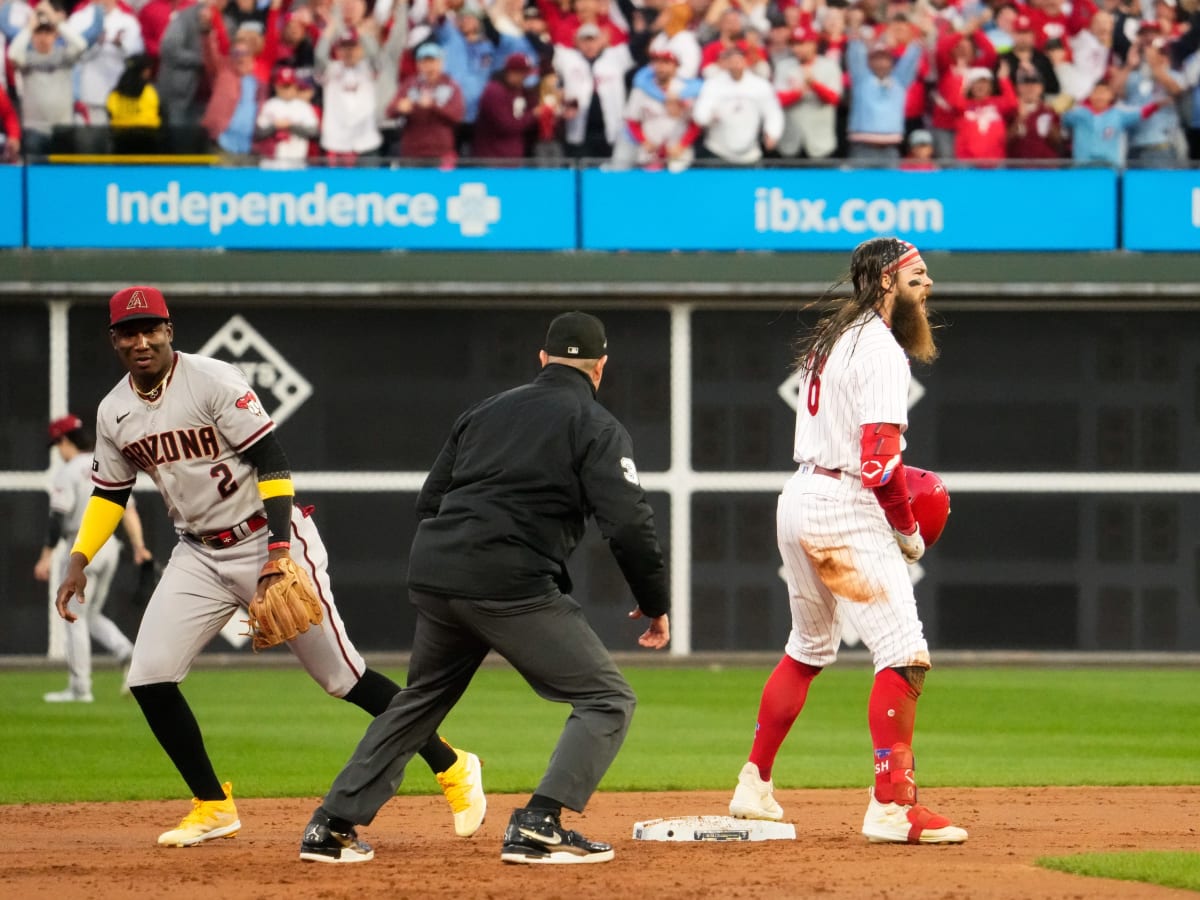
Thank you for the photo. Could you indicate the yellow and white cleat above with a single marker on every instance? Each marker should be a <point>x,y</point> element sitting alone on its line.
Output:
<point>208,820</point>
<point>462,784</point>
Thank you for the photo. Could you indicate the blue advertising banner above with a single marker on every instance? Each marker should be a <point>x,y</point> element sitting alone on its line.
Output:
<point>12,208</point>
<point>317,209</point>
<point>1160,209</point>
<point>835,209</point>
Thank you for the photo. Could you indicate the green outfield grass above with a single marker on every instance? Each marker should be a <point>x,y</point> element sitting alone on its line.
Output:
<point>274,733</point>
<point>1170,869</point>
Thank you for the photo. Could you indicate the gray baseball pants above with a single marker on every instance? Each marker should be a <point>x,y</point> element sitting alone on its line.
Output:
<point>549,641</point>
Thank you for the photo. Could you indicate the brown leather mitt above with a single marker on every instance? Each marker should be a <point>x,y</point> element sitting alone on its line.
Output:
<point>284,606</point>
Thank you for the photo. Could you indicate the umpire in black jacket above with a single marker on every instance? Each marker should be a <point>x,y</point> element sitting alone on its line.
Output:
<point>502,509</point>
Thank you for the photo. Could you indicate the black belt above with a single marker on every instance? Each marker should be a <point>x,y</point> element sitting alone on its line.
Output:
<point>219,540</point>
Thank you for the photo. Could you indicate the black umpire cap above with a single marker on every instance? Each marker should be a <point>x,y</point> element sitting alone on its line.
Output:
<point>576,335</point>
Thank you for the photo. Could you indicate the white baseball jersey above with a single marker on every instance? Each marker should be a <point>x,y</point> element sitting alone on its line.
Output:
<point>840,558</point>
<point>101,65</point>
<point>349,125</point>
<point>69,492</point>
<point>686,48</point>
<point>734,111</point>
<point>296,111</point>
<point>865,380</point>
<point>189,441</point>
<point>658,125</point>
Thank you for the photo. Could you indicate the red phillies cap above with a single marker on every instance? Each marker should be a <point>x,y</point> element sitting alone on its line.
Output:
<point>665,55</point>
<point>802,34</point>
<point>285,75</point>
<point>517,62</point>
<point>63,426</point>
<point>1023,23</point>
<point>135,303</point>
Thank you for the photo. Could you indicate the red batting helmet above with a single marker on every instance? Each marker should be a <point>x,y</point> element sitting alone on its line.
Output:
<point>930,502</point>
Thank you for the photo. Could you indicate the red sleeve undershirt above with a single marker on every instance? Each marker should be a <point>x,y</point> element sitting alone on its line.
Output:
<point>893,497</point>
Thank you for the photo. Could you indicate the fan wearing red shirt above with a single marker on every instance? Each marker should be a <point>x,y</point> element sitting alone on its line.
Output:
<point>956,54</point>
<point>562,24</point>
<point>1035,131</point>
<point>1051,20</point>
<point>731,31</point>
<point>506,113</point>
<point>10,123</point>
<point>982,131</point>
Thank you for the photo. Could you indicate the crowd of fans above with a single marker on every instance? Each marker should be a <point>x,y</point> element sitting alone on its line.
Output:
<point>655,86</point>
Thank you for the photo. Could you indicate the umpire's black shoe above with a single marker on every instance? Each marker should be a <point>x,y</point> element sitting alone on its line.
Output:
<point>322,844</point>
<point>536,836</point>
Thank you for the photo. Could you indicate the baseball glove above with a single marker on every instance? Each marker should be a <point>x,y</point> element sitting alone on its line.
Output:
<point>284,605</point>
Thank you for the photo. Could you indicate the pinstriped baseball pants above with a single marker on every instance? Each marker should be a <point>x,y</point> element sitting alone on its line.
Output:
<point>842,564</point>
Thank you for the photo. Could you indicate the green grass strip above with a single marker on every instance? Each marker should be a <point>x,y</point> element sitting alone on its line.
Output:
<point>274,733</point>
<point>1173,869</point>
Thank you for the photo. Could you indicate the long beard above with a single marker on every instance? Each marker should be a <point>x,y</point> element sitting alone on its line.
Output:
<point>912,331</point>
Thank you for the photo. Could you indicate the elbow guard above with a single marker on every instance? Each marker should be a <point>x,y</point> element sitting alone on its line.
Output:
<point>880,453</point>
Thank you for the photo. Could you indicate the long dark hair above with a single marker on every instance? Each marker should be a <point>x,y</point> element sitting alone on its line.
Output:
<point>868,263</point>
<point>136,76</point>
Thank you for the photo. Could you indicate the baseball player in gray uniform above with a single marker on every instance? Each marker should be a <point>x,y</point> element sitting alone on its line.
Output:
<point>196,428</point>
<point>69,492</point>
<point>845,532</point>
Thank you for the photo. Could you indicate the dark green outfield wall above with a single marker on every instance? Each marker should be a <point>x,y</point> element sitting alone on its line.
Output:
<point>530,275</point>
<point>1065,408</point>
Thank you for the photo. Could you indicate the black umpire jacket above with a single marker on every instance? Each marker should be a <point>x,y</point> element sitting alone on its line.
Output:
<point>507,500</point>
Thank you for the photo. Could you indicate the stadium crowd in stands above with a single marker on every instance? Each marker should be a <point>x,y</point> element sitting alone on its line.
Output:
<point>658,85</point>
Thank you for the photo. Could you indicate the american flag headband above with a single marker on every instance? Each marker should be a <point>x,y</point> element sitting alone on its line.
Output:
<point>909,255</point>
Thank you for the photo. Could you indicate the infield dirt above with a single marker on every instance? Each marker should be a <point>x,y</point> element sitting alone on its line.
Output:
<point>101,851</point>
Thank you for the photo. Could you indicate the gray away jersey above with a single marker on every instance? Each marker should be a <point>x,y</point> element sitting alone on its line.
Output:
<point>69,492</point>
<point>189,441</point>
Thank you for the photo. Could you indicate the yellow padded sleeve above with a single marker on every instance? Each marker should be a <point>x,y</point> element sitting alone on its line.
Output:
<point>100,520</point>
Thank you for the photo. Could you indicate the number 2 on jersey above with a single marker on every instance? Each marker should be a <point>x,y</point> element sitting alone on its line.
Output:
<point>228,484</point>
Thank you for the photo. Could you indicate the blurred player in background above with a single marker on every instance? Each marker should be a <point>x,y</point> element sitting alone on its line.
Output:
<point>69,492</point>
<point>846,530</point>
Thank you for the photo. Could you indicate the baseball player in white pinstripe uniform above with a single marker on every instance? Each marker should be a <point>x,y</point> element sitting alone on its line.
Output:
<point>846,531</point>
<point>196,428</point>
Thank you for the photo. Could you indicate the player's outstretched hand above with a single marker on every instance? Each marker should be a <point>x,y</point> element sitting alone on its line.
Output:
<point>911,545</point>
<point>658,635</point>
<point>72,586</point>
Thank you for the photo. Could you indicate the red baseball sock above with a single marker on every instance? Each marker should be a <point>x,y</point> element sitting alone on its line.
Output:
<point>890,715</point>
<point>783,697</point>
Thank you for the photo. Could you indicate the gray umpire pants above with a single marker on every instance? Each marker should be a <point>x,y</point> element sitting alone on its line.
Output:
<point>549,641</point>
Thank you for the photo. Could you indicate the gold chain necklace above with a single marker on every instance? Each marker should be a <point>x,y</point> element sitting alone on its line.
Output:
<point>150,394</point>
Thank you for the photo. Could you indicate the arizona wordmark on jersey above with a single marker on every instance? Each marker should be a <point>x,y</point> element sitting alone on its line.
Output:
<point>864,380</point>
<point>189,440</point>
